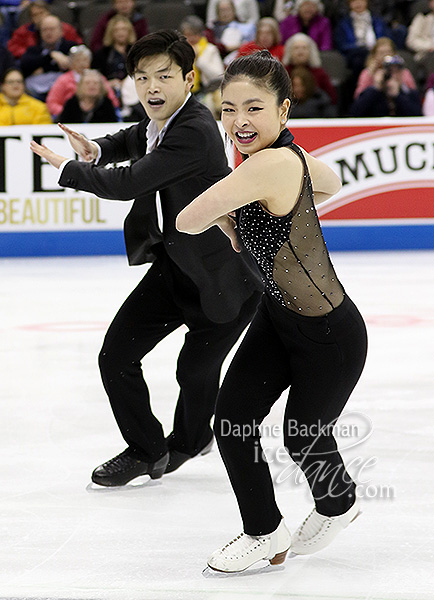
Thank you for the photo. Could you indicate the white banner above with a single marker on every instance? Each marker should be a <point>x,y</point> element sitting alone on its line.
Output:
<point>30,197</point>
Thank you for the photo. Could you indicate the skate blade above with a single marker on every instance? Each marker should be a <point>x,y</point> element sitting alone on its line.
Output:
<point>143,481</point>
<point>356,515</point>
<point>209,573</point>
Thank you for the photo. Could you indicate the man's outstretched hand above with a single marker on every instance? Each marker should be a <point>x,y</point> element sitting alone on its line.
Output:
<point>85,149</point>
<point>54,159</point>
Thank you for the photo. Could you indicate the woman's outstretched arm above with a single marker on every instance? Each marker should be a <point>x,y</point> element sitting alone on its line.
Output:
<point>271,176</point>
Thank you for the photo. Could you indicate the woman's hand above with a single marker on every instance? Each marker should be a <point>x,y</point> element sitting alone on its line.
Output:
<point>228,226</point>
<point>87,150</point>
<point>378,78</point>
<point>54,159</point>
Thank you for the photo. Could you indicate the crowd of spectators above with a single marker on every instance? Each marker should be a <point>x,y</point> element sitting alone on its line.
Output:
<point>52,71</point>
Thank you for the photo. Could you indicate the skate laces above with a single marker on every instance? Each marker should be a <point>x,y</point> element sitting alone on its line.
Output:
<point>120,462</point>
<point>241,545</point>
<point>313,524</point>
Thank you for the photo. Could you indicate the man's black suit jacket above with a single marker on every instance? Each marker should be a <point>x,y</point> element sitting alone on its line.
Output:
<point>189,160</point>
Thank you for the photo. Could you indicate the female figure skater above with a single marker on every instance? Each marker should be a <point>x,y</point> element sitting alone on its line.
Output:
<point>307,333</point>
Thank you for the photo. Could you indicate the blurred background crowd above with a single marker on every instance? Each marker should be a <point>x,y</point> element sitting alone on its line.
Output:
<point>65,60</point>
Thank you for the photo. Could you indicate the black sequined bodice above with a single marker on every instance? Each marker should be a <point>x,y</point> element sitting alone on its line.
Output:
<point>292,253</point>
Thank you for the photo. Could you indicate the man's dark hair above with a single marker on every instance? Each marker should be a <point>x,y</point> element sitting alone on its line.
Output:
<point>165,41</point>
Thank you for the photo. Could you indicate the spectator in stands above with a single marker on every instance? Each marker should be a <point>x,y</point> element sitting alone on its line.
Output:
<point>10,10</point>
<point>311,102</point>
<point>308,18</point>
<point>429,82</point>
<point>65,85</point>
<point>383,47</point>
<point>28,34</point>
<point>111,59</point>
<point>356,34</point>
<point>281,9</point>
<point>428,100</point>
<point>391,11</point>
<point>90,103</point>
<point>42,64</point>
<point>247,11</point>
<point>132,110</point>
<point>208,65</point>
<point>4,31</point>
<point>228,31</point>
<point>388,96</point>
<point>6,60</point>
<point>420,38</point>
<point>126,8</point>
<point>267,37</point>
<point>16,107</point>
<point>301,51</point>
<point>335,10</point>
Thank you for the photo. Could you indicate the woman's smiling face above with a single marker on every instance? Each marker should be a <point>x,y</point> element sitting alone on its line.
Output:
<point>251,115</point>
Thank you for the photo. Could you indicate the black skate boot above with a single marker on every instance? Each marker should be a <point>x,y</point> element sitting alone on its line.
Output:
<point>127,466</point>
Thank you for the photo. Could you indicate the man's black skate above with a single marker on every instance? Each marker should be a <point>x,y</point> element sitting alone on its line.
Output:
<point>127,466</point>
<point>179,458</point>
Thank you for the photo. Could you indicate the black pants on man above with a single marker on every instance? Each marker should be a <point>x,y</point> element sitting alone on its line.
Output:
<point>164,300</point>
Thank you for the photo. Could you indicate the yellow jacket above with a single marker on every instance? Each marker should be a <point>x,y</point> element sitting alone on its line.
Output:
<point>28,111</point>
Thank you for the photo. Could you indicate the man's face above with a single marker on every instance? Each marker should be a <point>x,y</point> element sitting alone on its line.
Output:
<point>161,87</point>
<point>51,30</point>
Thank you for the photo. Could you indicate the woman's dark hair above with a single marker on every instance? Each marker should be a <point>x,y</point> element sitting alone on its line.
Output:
<point>265,70</point>
<point>165,41</point>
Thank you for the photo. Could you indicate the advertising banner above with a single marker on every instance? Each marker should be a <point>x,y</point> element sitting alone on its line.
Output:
<point>387,171</point>
<point>39,218</point>
<point>386,202</point>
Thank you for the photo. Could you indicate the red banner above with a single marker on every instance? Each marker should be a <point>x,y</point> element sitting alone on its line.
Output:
<point>387,171</point>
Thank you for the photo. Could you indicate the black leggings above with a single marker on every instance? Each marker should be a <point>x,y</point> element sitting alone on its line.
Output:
<point>321,359</point>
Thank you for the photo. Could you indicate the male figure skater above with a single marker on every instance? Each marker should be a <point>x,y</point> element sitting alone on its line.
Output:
<point>198,281</point>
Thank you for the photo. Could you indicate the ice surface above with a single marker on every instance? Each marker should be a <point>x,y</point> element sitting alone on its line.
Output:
<point>62,539</point>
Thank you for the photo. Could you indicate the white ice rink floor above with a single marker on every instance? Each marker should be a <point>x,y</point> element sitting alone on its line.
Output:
<point>62,539</point>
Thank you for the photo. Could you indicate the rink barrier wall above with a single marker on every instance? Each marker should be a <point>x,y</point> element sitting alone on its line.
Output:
<point>386,201</point>
<point>94,243</point>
